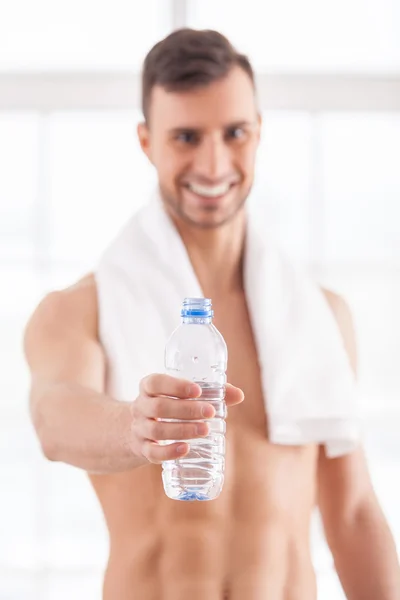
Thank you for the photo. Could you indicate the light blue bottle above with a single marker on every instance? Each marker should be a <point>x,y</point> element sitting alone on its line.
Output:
<point>197,351</point>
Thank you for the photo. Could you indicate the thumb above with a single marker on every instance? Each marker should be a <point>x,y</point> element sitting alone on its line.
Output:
<point>233,395</point>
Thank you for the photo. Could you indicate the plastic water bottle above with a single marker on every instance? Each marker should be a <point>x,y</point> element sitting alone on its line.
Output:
<point>197,351</point>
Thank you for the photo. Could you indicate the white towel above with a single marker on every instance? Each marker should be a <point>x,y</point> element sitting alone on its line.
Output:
<point>308,384</point>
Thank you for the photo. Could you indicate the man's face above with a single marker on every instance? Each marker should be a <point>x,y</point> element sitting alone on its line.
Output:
<point>203,145</point>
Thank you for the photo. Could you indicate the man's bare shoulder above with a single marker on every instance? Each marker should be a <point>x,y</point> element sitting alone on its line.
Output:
<point>342,314</point>
<point>61,341</point>
<point>80,299</point>
<point>70,310</point>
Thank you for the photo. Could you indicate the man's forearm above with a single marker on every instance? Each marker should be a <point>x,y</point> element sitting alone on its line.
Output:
<point>83,428</point>
<point>365,557</point>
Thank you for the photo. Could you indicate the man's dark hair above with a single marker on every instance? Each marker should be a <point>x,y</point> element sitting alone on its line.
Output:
<point>189,58</point>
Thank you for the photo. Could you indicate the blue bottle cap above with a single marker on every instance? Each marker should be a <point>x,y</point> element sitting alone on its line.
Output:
<point>197,307</point>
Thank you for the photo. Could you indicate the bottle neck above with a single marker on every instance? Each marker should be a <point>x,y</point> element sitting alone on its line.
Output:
<point>196,320</point>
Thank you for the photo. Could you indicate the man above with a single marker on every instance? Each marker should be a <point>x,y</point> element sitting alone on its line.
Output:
<point>201,133</point>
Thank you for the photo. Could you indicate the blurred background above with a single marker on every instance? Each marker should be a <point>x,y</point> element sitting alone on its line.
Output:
<point>71,173</point>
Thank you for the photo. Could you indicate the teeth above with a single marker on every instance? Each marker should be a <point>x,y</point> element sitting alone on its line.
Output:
<point>209,191</point>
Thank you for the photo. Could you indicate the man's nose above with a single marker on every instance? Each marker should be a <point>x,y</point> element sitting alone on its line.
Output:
<point>213,159</point>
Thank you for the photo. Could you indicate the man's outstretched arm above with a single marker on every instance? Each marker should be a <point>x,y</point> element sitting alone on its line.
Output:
<point>76,421</point>
<point>356,529</point>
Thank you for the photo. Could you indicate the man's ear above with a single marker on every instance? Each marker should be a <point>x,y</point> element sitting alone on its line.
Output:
<point>144,139</point>
<point>259,125</point>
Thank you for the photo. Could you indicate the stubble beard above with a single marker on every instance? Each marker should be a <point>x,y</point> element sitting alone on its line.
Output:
<point>175,207</point>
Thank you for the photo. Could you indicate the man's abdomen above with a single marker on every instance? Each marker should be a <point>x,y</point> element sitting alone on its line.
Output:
<point>197,565</point>
<point>252,543</point>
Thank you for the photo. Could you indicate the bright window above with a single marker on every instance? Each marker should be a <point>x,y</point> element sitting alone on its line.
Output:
<point>79,34</point>
<point>312,35</point>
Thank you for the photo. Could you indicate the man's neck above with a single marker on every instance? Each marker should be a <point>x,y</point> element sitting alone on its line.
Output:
<point>216,255</point>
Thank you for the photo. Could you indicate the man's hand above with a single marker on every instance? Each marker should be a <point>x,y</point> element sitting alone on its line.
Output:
<point>163,397</point>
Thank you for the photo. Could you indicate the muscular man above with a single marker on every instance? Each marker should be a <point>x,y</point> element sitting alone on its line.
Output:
<point>201,133</point>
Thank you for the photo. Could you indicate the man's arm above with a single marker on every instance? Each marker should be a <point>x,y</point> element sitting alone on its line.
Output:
<point>356,530</point>
<point>75,421</point>
<point>78,423</point>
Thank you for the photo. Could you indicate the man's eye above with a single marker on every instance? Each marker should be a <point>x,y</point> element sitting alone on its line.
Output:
<point>235,133</point>
<point>187,137</point>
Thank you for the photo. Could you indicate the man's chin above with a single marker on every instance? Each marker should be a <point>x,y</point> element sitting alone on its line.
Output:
<point>209,217</point>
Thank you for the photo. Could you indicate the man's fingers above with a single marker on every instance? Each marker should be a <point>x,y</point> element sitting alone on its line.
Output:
<point>165,385</point>
<point>155,405</point>
<point>233,395</point>
<point>156,453</point>
<point>169,408</point>
<point>158,430</point>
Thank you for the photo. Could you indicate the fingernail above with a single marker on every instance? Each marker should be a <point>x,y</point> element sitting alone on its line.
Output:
<point>193,391</point>
<point>181,449</point>
<point>202,429</point>
<point>208,411</point>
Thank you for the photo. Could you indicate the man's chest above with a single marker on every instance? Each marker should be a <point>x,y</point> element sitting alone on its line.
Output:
<point>274,474</point>
<point>233,322</point>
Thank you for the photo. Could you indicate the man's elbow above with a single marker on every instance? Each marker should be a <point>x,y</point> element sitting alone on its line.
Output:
<point>49,450</point>
<point>363,519</point>
<point>366,512</point>
<point>40,421</point>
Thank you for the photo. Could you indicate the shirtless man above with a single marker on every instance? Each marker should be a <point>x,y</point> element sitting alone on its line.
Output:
<point>202,129</point>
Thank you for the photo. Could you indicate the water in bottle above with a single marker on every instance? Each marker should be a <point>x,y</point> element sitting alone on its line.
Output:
<point>197,351</point>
